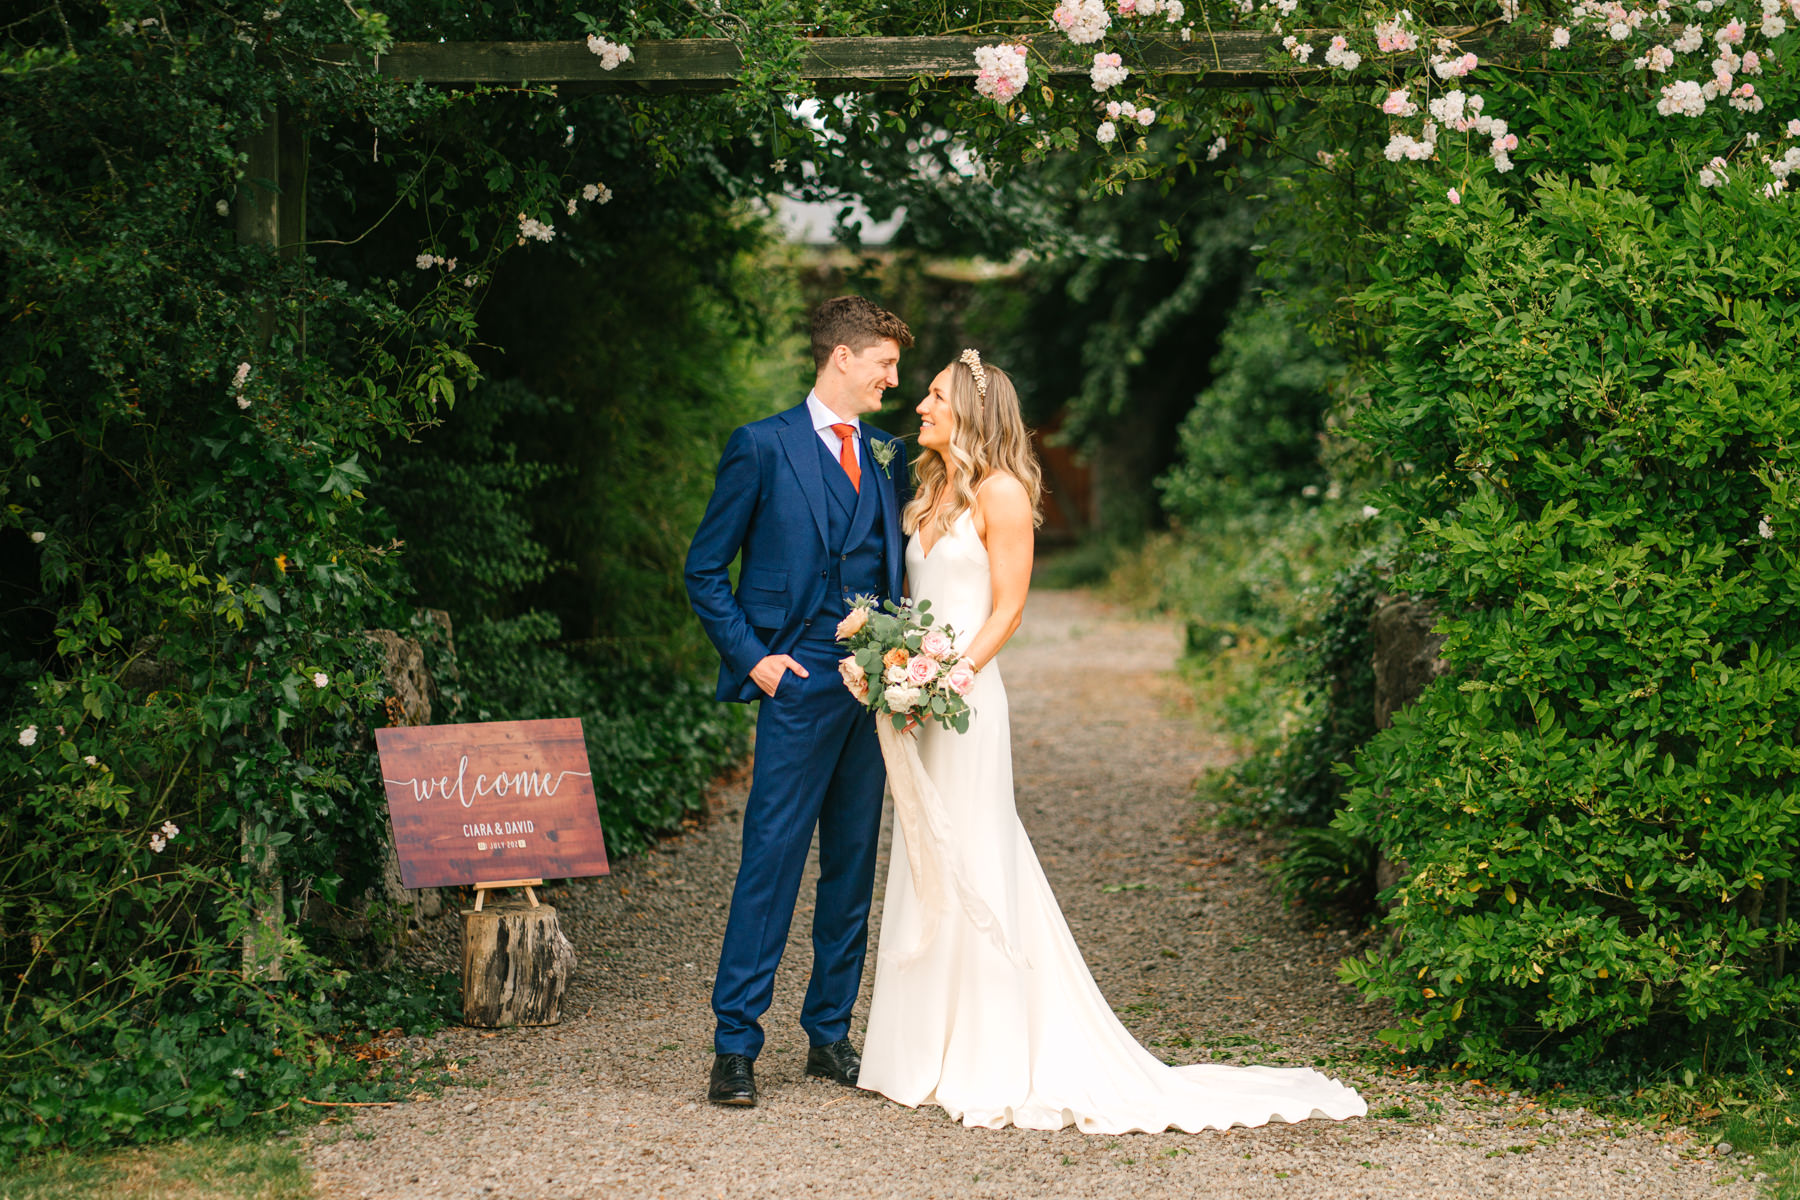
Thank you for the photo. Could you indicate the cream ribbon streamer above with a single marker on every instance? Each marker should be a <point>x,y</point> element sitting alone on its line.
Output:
<point>937,871</point>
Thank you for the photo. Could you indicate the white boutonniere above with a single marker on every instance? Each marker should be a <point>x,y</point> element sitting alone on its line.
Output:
<point>883,450</point>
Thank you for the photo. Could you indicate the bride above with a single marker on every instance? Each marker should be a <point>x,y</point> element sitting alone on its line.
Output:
<point>983,1004</point>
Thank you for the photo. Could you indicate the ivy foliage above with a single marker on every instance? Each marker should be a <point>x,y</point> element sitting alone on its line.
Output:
<point>196,428</point>
<point>187,561</point>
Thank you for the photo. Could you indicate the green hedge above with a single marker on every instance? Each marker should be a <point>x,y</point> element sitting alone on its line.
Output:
<point>1592,401</point>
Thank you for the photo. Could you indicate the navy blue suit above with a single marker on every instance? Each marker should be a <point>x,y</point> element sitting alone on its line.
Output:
<point>810,543</point>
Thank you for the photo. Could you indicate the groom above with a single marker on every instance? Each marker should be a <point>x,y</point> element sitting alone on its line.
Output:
<point>811,498</point>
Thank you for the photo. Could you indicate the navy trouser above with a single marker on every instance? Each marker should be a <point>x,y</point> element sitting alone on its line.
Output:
<point>818,764</point>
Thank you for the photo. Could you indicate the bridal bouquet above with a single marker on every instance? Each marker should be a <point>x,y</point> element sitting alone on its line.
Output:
<point>900,666</point>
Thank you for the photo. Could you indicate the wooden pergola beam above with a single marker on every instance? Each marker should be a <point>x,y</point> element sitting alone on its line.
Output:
<point>1228,59</point>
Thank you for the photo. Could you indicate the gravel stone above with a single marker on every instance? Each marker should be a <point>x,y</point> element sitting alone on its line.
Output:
<point>1177,921</point>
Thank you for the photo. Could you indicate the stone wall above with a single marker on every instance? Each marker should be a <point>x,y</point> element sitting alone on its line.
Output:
<point>1406,659</point>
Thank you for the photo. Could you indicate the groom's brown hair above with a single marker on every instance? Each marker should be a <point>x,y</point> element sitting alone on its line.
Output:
<point>854,322</point>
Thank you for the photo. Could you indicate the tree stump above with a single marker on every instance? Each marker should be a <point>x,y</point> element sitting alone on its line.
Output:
<point>516,965</point>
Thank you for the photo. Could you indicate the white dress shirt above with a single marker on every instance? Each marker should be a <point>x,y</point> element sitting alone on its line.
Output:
<point>823,419</point>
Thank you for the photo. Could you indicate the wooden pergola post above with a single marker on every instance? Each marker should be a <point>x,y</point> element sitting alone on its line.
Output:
<point>271,213</point>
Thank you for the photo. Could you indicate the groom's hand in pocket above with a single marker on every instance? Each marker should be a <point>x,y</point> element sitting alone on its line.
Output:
<point>767,673</point>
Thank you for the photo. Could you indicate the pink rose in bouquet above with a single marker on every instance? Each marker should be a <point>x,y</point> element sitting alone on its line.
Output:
<point>859,616</point>
<point>921,670</point>
<point>961,679</point>
<point>854,677</point>
<point>936,645</point>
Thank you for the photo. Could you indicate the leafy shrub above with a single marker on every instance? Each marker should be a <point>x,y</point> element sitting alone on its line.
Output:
<point>1277,606</point>
<point>1331,653</point>
<point>1595,397</point>
<point>1329,871</point>
<point>1254,434</point>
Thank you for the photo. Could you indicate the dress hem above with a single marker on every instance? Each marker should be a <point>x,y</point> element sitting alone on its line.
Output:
<point>1009,1117</point>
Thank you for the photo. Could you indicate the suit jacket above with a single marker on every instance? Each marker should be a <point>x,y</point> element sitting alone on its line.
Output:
<point>768,504</point>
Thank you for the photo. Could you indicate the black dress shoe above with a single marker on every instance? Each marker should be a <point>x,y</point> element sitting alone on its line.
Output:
<point>838,1061</point>
<point>733,1081</point>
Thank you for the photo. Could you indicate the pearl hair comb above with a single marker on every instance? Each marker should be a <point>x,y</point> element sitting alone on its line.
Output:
<point>973,360</point>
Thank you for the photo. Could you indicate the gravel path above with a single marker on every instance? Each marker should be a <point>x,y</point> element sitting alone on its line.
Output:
<point>1178,924</point>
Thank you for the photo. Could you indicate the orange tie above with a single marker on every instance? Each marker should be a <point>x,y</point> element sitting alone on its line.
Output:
<point>847,454</point>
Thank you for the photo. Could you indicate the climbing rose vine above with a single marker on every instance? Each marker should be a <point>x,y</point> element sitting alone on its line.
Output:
<point>1710,65</point>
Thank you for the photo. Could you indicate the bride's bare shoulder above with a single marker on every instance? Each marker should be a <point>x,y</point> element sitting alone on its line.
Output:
<point>1004,490</point>
<point>1001,497</point>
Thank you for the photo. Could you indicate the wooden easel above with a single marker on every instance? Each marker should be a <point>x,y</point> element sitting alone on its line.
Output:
<point>482,889</point>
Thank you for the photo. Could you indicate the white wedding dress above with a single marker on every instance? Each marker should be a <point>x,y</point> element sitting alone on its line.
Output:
<point>983,1004</point>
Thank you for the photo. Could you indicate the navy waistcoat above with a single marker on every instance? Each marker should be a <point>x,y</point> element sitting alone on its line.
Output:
<point>858,561</point>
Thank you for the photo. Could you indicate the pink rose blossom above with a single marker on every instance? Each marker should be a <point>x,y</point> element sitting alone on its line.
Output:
<point>1454,196</point>
<point>1391,39</point>
<point>961,679</point>
<point>936,645</point>
<point>921,670</point>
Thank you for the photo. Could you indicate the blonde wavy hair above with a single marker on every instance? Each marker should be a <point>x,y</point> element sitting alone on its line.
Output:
<point>989,437</point>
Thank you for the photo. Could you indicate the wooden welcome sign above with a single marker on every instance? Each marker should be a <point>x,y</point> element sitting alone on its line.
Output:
<point>491,802</point>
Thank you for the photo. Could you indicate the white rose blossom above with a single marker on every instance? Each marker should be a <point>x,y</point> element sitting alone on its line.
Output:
<point>28,736</point>
<point>1083,21</point>
<point>900,697</point>
<point>1001,72</point>
<point>1108,71</point>
<point>1682,97</point>
<point>612,56</point>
